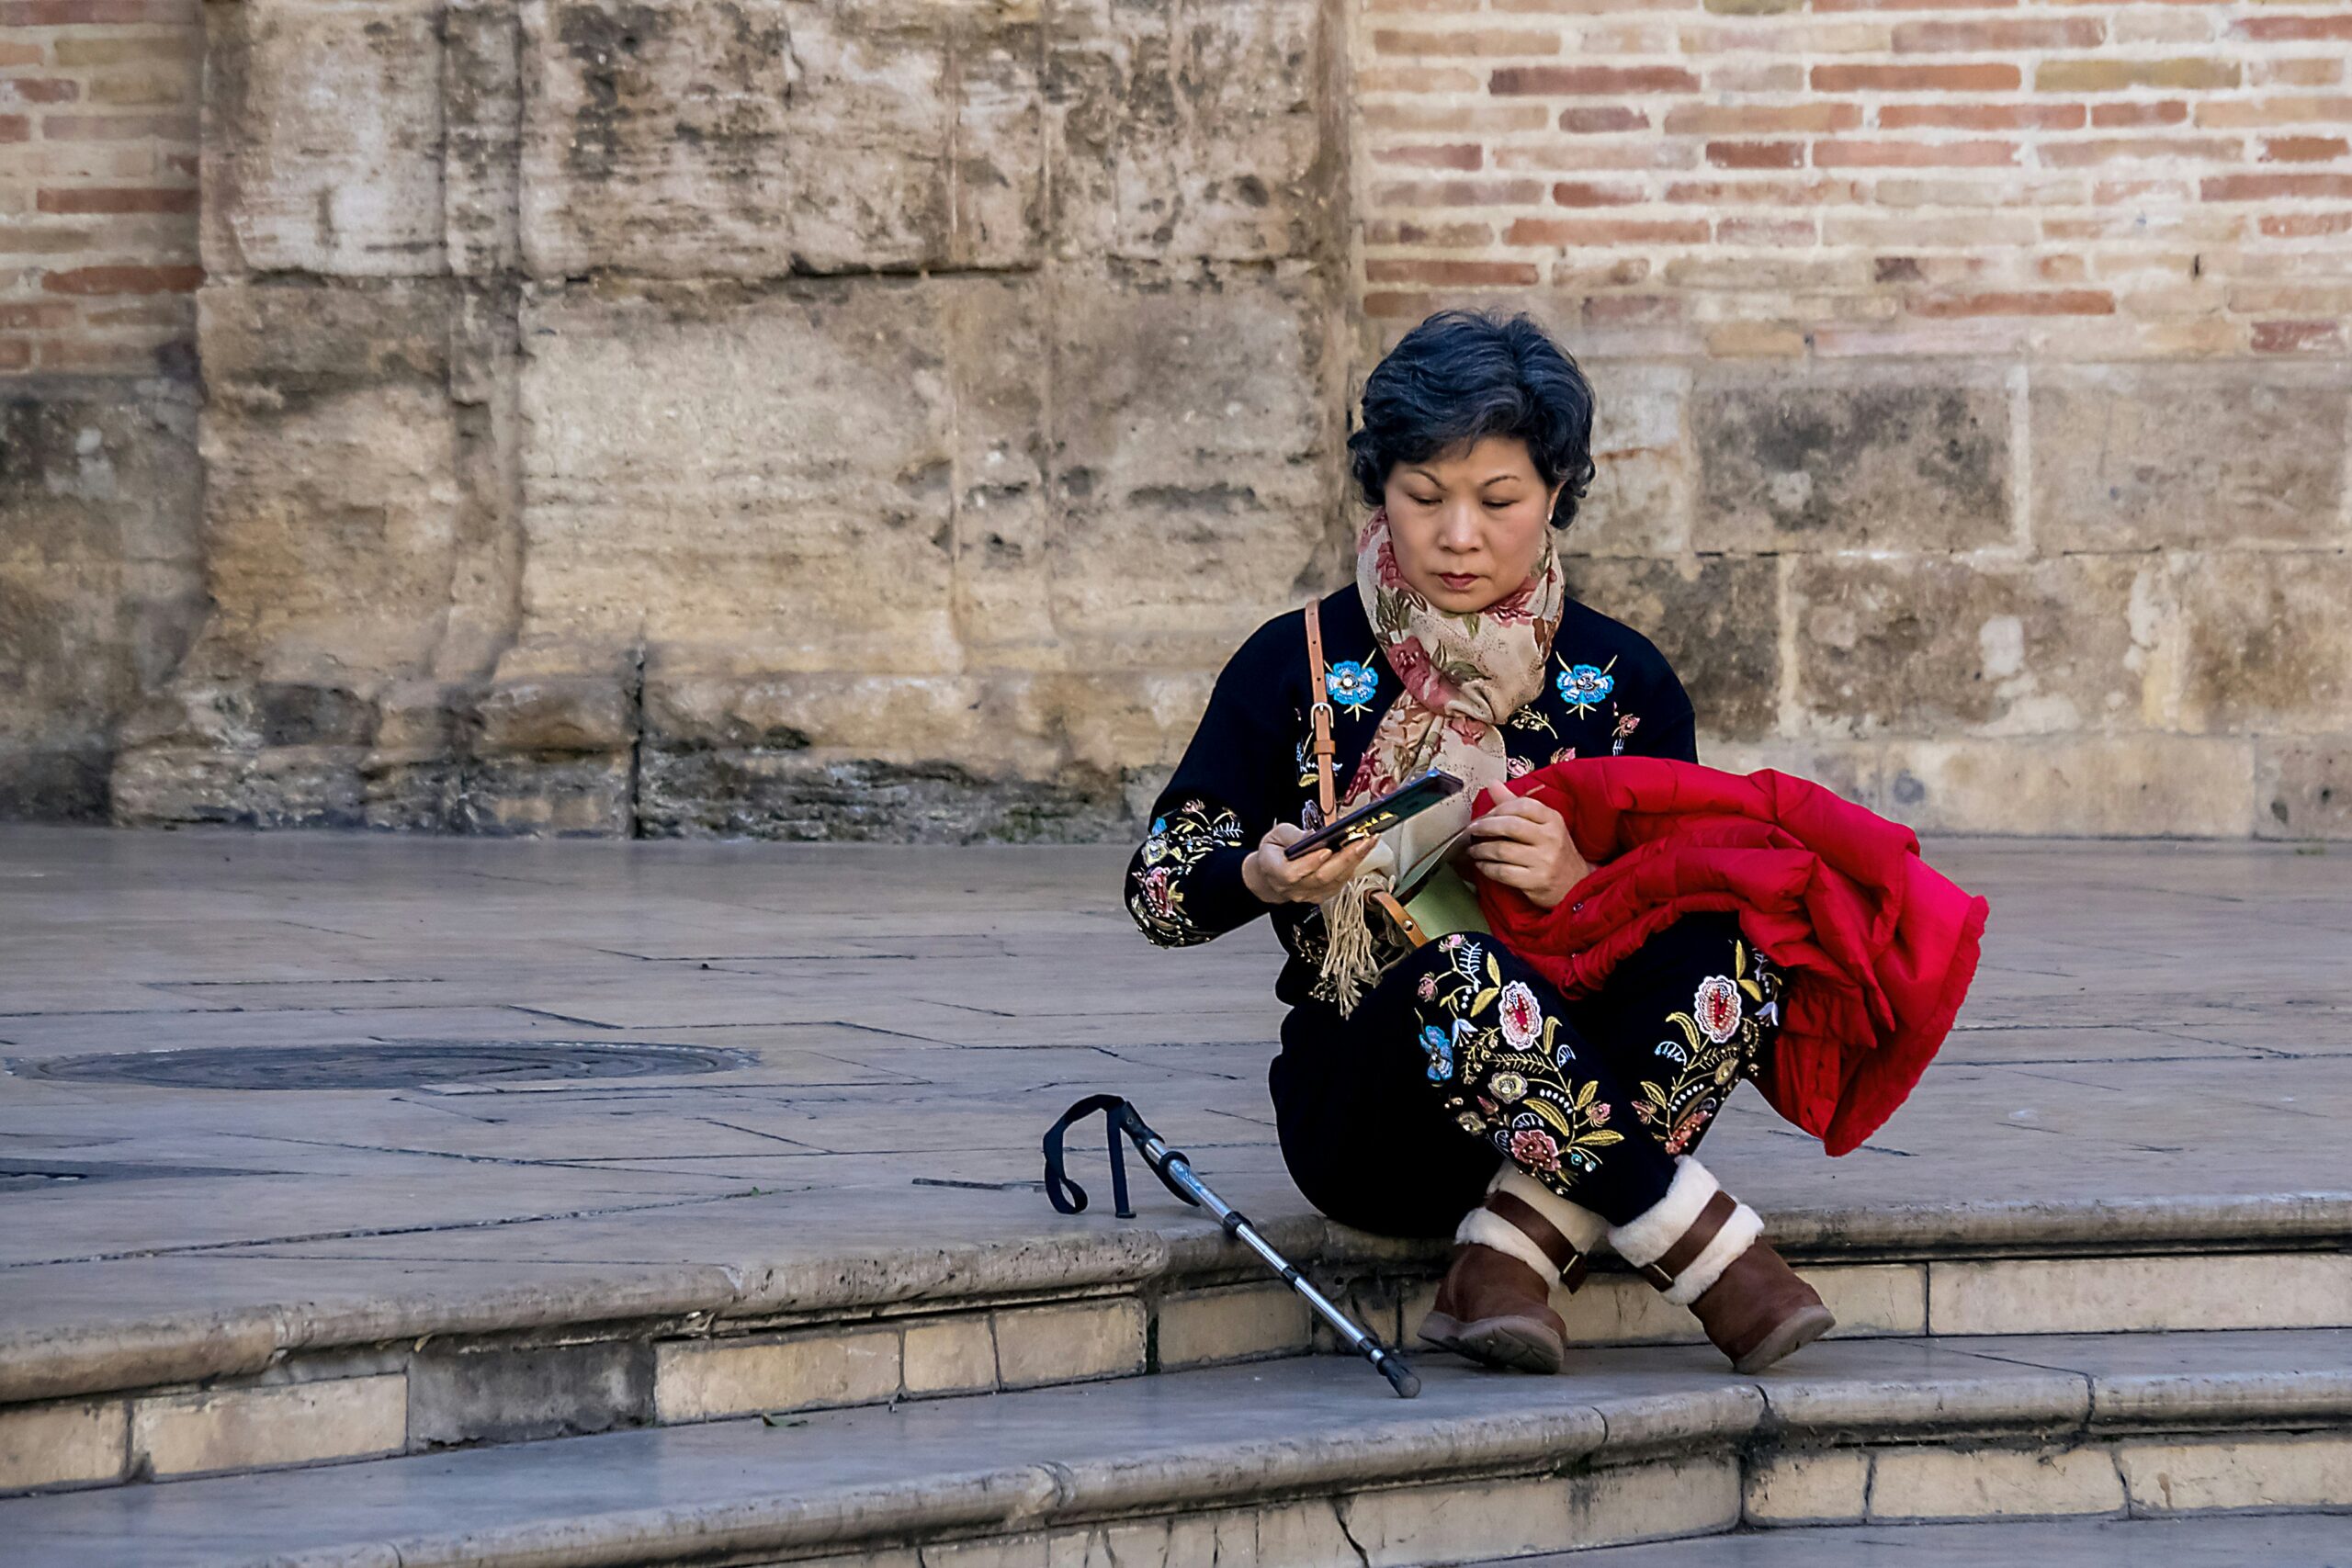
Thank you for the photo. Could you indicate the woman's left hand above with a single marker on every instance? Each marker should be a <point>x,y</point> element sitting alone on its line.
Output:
<point>1524,843</point>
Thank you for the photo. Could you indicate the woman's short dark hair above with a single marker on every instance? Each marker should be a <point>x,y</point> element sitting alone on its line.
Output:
<point>1464,375</point>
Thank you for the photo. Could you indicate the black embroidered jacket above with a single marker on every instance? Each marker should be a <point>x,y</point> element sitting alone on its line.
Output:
<point>1249,765</point>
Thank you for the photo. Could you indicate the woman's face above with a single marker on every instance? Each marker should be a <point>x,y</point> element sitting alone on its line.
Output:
<point>1468,525</point>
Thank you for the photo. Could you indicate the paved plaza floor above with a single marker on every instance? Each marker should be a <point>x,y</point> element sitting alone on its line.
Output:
<point>868,1041</point>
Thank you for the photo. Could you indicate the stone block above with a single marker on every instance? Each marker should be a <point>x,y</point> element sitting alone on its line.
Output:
<point>1193,484</point>
<point>2241,1472</point>
<point>1821,1488</point>
<point>657,139</point>
<point>1302,1535</point>
<point>2267,644</point>
<point>2169,784</point>
<point>520,1394</point>
<point>1208,134</point>
<point>1436,1524</point>
<point>586,714</point>
<point>1716,619</point>
<point>2303,788</point>
<point>332,494</point>
<point>1938,647</point>
<point>1983,1483</point>
<point>58,1445</point>
<point>1639,502</point>
<point>695,1382</point>
<point>252,1428</point>
<point>745,482</point>
<point>954,1355</point>
<point>576,796</point>
<point>1697,1495</point>
<point>2163,457</point>
<point>798,796</point>
<point>101,578</point>
<point>1199,1327</point>
<point>1873,1301</point>
<point>285,786</point>
<point>1885,461</point>
<point>1068,1343</point>
<point>323,139</point>
<point>482,113</point>
<point>2117,1295</point>
<point>1621,1309</point>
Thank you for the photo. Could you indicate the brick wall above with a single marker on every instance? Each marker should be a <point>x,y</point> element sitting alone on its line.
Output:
<point>1777,179</point>
<point>97,184</point>
<point>1972,377</point>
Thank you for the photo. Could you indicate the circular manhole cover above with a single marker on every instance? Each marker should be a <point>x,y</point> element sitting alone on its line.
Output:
<point>392,1063</point>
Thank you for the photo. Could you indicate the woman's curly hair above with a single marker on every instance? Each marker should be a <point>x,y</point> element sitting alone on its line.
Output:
<point>1464,375</point>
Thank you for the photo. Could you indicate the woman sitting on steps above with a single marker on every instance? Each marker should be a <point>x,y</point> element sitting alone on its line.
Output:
<point>1448,1088</point>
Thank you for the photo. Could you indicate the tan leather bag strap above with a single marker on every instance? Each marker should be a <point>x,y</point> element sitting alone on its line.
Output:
<point>1325,748</point>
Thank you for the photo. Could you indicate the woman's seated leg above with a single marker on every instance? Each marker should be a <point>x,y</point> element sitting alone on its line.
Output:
<point>1665,1042</point>
<point>1681,1020</point>
<point>1512,1070</point>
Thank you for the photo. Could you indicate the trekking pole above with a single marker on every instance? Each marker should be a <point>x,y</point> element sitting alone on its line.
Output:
<point>1175,1173</point>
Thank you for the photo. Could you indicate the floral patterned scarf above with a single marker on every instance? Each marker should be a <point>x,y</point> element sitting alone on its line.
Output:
<point>1463,675</point>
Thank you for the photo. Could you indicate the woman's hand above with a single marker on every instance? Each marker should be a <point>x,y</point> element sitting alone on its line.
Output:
<point>1524,843</point>
<point>1309,879</point>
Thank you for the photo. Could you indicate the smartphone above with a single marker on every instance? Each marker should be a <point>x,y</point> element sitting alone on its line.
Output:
<point>1415,794</point>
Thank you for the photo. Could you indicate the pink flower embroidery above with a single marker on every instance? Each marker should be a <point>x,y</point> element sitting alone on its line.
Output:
<point>1565,754</point>
<point>1426,989</point>
<point>1522,1020</point>
<point>1535,1151</point>
<point>1156,893</point>
<point>1519,767</point>
<point>1716,1008</point>
<point>1598,1113</point>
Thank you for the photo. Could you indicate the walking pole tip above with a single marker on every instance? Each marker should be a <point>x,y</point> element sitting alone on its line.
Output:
<point>1400,1377</point>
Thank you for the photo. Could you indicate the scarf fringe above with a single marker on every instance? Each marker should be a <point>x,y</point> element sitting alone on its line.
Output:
<point>1350,959</point>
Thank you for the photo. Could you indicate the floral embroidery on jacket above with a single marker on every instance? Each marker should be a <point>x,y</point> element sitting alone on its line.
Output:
<point>1583,686</point>
<point>1352,684</point>
<point>1178,842</point>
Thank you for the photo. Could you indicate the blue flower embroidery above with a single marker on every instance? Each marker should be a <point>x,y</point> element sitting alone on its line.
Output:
<point>1440,1051</point>
<point>1581,686</point>
<point>1351,684</point>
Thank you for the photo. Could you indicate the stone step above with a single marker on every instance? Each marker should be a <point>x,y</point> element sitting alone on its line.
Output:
<point>90,1399</point>
<point>1312,1461</point>
<point>2275,1541</point>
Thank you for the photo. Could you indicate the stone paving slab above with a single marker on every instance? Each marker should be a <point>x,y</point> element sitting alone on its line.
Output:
<point>2160,1036</point>
<point>1176,1442</point>
<point>2285,1540</point>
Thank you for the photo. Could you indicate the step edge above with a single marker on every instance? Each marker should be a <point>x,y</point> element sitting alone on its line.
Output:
<point>2018,1401</point>
<point>64,1360</point>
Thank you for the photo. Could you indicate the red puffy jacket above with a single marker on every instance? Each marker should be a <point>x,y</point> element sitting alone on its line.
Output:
<point>1877,948</point>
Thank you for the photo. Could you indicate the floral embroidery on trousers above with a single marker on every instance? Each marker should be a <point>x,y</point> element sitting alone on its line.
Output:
<point>1507,1068</point>
<point>1594,1106</point>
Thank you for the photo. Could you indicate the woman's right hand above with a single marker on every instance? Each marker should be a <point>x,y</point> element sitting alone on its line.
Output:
<point>1310,879</point>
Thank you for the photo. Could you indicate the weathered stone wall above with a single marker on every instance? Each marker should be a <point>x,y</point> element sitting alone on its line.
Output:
<point>1975,388</point>
<point>808,417</point>
<point>880,417</point>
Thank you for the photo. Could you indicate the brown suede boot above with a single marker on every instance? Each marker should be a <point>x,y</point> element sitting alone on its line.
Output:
<point>1705,1250</point>
<point>1494,1305</point>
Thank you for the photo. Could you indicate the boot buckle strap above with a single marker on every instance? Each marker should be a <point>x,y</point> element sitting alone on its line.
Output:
<point>1664,1270</point>
<point>1529,1221</point>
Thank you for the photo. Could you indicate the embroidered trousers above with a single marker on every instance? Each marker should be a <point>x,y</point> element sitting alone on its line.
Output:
<point>1393,1120</point>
